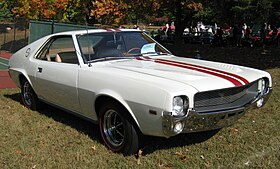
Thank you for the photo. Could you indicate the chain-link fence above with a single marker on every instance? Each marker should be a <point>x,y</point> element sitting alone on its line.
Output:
<point>14,33</point>
<point>42,28</point>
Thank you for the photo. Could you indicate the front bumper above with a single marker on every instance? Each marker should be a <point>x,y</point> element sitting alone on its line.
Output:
<point>197,122</point>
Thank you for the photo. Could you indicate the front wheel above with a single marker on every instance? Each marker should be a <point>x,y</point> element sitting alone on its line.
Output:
<point>29,97</point>
<point>117,130</point>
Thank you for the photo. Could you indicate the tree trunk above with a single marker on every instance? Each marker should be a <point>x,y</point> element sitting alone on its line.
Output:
<point>178,23</point>
<point>181,22</point>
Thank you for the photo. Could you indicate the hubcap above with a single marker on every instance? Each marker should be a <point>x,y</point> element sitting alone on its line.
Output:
<point>113,128</point>
<point>27,95</point>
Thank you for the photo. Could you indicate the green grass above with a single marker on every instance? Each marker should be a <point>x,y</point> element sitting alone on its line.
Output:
<point>51,138</point>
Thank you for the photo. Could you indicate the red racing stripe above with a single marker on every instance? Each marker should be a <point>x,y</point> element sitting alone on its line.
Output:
<point>108,29</point>
<point>232,80</point>
<point>214,72</point>
<point>211,69</point>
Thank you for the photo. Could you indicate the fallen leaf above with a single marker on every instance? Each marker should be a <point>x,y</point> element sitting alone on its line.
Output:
<point>178,153</point>
<point>207,164</point>
<point>247,163</point>
<point>160,165</point>
<point>93,148</point>
<point>138,161</point>
<point>183,158</point>
<point>202,157</point>
<point>139,156</point>
<point>233,130</point>
<point>140,153</point>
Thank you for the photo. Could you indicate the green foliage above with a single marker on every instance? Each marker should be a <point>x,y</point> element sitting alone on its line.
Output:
<point>5,9</point>
<point>261,10</point>
<point>145,11</point>
<point>206,15</point>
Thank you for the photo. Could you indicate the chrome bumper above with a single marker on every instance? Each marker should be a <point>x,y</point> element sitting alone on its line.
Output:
<point>196,122</point>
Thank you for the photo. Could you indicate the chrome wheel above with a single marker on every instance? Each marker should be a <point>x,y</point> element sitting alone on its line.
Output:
<point>113,128</point>
<point>27,94</point>
<point>117,129</point>
<point>29,97</point>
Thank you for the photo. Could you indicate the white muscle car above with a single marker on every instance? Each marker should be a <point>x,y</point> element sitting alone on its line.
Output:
<point>130,84</point>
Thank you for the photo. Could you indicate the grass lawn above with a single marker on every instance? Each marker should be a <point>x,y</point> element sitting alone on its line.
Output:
<point>51,138</point>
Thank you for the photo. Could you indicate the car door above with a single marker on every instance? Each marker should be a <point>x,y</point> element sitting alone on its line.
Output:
<point>57,73</point>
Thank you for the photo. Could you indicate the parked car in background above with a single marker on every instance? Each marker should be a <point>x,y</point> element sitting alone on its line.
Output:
<point>198,37</point>
<point>131,85</point>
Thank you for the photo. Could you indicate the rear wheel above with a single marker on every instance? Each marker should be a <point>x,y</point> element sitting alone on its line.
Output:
<point>117,130</point>
<point>29,97</point>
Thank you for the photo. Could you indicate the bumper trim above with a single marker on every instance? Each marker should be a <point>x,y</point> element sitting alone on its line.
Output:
<point>197,122</point>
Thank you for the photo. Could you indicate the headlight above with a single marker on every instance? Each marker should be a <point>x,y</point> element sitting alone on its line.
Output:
<point>180,106</point>
<point>262,86</point>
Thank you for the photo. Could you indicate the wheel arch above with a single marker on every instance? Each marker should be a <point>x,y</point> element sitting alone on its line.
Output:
<point>105,98</point>
<point>23,76</point>
<point>18,75</point>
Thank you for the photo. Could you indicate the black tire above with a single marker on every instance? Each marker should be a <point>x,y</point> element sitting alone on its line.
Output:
<point>28,96</point>
<point>117,130</point>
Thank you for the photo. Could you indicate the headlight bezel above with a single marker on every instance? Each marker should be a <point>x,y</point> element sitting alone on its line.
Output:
<point>180,105</point>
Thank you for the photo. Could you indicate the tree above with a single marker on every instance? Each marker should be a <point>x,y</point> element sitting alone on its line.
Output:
<point>5,8</point>
<point>142,10</point>
<point>184,12</point>
<point>108,11</point>
<point>243,10</point>
<point>77,11</point>
<point>40,9</point>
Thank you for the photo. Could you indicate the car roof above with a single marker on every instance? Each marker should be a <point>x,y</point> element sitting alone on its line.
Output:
<point>80,32</point>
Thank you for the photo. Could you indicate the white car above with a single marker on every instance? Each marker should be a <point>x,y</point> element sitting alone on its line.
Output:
<point>131,85</point>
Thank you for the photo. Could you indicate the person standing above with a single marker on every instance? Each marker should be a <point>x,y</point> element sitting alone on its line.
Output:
<point>263,33</point>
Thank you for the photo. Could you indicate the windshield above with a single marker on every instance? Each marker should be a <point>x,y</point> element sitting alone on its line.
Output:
<point>114,45</point>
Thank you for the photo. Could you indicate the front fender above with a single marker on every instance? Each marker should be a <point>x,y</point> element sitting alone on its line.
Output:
<point>116,96</point>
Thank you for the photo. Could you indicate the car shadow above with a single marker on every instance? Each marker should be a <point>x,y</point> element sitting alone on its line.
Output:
<point>148,144</point>
<point>88,128</point>
<point>151,144</point>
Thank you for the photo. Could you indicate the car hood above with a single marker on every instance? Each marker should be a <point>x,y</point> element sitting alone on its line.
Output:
<point>202,75</point>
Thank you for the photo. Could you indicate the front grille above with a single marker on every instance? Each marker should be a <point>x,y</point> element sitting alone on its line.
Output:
<point>226,98</point>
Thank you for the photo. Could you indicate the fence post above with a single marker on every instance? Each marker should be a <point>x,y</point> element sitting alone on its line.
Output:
<point>52,26</point>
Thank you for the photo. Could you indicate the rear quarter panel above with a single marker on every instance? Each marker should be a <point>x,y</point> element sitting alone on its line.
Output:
<point>23,62</point>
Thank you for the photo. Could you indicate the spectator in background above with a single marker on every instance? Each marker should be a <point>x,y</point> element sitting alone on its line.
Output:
<point>263,31</point>
<point>274,36</point>
<point>234,34</point>
<point>244,30</point>
<point>239,34</point>
<point>136,27</point>
<point>166,29</point>
<point>218,37</point>
<point>215,28</point>
<point>248,32</point>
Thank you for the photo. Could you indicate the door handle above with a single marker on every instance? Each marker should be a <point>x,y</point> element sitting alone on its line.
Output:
<point>40,69</point>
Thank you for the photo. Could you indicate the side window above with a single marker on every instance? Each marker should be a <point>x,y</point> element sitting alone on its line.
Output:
<point>59,49</point>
